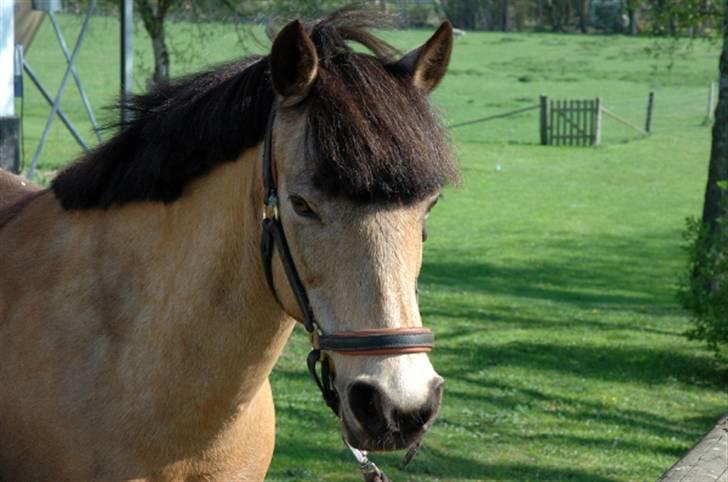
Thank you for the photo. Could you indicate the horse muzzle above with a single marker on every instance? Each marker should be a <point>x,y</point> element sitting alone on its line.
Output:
<point>372,421</point>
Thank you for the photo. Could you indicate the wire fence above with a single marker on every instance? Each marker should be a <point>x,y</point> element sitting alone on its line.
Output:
<point>624,119</point>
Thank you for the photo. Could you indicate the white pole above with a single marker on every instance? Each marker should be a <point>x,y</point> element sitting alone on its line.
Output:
<point>127,53</point>
<point>7,58</point>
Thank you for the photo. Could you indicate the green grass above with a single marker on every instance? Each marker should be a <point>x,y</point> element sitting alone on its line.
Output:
<point>550,282</point>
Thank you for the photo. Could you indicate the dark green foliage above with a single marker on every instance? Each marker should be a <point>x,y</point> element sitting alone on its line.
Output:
<point>682,18</point>
<point>704,290</point>
<point>691,18</point>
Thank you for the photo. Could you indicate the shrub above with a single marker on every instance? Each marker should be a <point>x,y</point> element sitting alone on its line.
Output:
<point>704,288</point>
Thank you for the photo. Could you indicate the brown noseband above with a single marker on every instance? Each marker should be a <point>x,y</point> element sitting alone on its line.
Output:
<point>386,341</point>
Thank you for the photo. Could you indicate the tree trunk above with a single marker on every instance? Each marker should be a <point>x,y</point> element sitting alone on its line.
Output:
<point>557,15</point>
<point>161,58</point>
<point>153,13</point>
<point>583,12</point>
<point>632,21</point>
<point>402,7</point>
<point>714,203</point>
<point>504,18</point>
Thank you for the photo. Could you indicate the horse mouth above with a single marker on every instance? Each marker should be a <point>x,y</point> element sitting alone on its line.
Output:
<point>385,440</point>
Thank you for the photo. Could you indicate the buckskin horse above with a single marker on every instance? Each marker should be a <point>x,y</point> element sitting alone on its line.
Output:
<point>143,301</point>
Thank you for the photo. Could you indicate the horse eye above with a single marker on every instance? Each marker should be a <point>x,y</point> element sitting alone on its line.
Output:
<point>301,207</point>
<point>432,205</point>
<point>427,215</point>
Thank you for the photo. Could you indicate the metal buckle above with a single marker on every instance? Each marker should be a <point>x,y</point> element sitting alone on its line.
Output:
<point>313,337</point>
<point>270,208</point>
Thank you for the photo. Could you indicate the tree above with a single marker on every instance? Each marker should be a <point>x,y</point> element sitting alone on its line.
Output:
<point>153,14</point>
<point>714,204</point>
<point>705,290</point>
<point>504,15</point>
<point>582,10</point>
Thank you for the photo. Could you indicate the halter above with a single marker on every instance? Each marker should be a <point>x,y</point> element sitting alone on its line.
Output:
<point>383,341</point>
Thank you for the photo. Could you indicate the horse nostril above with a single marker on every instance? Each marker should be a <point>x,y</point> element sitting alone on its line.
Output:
<point>365,402</point>
<point>426,414</point>
<point>416,420</point>
<point>376,414</point>
<point>412,422</point>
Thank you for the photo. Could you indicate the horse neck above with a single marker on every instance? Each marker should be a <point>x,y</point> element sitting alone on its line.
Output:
<point>205,315</point>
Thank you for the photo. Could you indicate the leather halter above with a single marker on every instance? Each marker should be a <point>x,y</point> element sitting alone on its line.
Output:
<point>385,341</point>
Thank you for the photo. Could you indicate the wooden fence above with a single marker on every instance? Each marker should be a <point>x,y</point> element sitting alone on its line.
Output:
<point>571,122</point>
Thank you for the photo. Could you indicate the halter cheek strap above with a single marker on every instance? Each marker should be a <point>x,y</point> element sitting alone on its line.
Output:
<point>387,341</point>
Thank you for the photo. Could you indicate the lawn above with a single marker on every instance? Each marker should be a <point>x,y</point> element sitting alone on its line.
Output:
<point>549,274</point>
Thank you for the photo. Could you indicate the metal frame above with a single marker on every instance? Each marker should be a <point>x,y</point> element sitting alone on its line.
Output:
<point>126,78</point>
<point>55,104</point>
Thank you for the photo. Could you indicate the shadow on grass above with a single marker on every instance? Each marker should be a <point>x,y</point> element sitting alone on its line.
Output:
<point>307,419</point>
<point>644,365</point>
<point>465,470</point>
<point>504,398</point>
<point>505,317</point>
<point>608,272</point>
<point>304,459</point>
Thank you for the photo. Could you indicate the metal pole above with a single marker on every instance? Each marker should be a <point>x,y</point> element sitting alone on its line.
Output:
<point>61,88</point>
<point>79,85</point>
<point>7,59</point>
<point>9,123</point>
<point>127,55</point>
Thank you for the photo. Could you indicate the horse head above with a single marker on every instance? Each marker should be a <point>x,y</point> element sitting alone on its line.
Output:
<point>357,159</point>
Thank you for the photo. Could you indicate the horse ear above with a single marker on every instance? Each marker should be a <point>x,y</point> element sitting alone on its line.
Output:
<point>293,63</point>
<point>428,63</point>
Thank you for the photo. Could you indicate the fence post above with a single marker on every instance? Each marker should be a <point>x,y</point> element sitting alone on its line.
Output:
<point>126,27</point>
<point>543,124</point>
<point>709,112</point>
<point>9,122</point>
<point>598,122</point>
<point>650,105</point>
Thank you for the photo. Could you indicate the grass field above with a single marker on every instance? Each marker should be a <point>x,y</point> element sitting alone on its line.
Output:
<point>550,281</point>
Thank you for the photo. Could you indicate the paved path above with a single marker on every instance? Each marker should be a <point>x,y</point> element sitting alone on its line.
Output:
<point>706,462</point>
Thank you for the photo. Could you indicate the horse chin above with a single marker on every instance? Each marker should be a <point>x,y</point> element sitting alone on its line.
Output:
<point>385,441</point>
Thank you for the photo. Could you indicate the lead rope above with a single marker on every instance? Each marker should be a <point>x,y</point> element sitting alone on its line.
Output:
<point>369,469</point>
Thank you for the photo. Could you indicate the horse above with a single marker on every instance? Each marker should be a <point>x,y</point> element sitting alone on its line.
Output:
<point>140,320</point>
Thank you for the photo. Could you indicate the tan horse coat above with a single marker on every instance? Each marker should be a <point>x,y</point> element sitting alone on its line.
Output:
<point>82,395</point>
<point>136,341</point>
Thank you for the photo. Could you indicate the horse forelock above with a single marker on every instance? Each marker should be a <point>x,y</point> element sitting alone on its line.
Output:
<point>373,135</point>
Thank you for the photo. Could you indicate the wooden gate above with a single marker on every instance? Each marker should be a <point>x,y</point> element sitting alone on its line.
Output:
<point>571,122</point>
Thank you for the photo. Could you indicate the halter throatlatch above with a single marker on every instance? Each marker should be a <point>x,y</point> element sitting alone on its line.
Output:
<point>386,341</point>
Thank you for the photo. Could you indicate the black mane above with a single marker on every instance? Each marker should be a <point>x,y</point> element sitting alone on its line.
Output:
<point>375,137</point>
